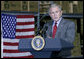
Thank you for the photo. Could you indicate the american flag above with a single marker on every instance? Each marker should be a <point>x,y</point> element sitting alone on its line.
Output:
<point>14,28</point>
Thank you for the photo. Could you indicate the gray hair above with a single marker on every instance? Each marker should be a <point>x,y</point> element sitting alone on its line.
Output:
<point>54,5</point>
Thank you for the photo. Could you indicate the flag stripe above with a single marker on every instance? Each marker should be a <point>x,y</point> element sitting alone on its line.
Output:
<point>31,56</point>
<point>26,33</point>
<point>10,44</point>
<point>12,51</point>
<point>25,16</point>
<point>24,26</point>
<point>10,40</point>
<point>24,23</point>
<point>10,47</point>
<point>27,36</point>
<point>16,54</point>
<point>24,30</point>
<point>25,19</point>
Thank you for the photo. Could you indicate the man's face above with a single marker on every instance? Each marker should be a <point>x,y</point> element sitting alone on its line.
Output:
<point>55,13</point>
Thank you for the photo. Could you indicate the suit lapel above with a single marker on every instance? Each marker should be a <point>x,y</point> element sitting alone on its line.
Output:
<point>60,26</point>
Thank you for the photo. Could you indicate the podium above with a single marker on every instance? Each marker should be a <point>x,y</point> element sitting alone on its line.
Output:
<point>50,45</point>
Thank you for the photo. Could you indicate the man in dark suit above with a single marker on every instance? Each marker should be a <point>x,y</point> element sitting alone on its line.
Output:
<point>60,28</point>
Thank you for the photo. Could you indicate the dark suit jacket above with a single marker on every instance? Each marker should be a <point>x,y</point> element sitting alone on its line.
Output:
<point>65,31</point>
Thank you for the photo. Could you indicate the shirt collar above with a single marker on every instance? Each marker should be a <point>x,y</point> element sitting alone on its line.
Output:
<point>58,21</point>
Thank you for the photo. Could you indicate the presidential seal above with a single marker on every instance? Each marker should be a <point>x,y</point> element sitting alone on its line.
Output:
<point>37,43</point>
